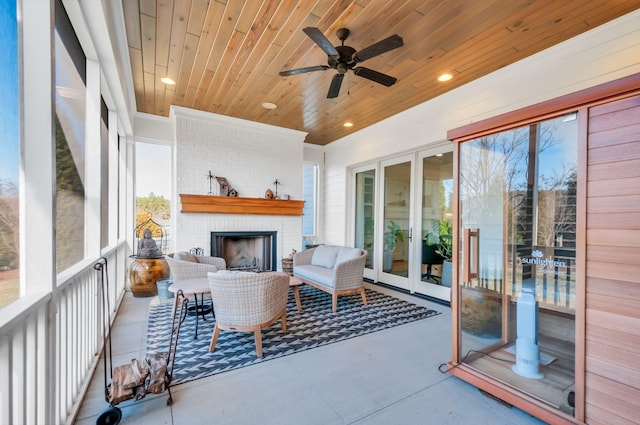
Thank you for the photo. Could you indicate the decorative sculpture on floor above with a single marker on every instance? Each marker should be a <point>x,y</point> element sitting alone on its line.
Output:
<point>147,247</point>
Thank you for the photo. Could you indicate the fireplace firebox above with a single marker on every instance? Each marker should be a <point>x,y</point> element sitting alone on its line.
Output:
<point>249,250</point>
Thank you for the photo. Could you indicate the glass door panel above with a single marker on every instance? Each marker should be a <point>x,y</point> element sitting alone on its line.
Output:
<point>396,234</point>
<point>365,214</point>
<point>517,210</point>
<point>436,225</point>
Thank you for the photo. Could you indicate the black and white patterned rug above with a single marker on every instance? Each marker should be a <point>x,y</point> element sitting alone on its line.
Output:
<point>314,327</point>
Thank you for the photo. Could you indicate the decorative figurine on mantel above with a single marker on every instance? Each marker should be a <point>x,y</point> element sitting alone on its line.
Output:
<point>211,177</point>
<point>268,194</point>
<point>277,182</point>
<point>224,186</point>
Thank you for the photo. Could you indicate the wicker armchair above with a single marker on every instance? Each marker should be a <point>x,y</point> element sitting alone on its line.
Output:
<point>245,301</point>
<point>182,270</point>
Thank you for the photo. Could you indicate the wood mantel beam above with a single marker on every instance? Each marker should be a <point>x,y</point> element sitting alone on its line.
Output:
<point>238,205</point>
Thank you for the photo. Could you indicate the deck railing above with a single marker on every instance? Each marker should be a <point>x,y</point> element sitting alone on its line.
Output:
<point>50,348</point>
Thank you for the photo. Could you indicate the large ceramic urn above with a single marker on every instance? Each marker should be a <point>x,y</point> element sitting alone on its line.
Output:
<point>144,273</point>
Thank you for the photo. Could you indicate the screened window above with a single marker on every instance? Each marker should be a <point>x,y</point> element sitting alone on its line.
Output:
<point>70,96</point>
<point>10,158</point>
<point>104,175</point>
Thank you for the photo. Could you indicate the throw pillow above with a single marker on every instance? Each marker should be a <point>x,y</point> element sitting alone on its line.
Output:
<point>324,256</point>
<point>346,253</point>
<point>185,256</point>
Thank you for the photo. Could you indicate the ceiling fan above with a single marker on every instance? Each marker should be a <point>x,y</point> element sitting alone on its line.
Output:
<point>343,58</point>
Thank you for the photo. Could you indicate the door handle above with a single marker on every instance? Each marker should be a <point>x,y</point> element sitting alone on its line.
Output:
<point>410,234</point>
<point>470,254</point>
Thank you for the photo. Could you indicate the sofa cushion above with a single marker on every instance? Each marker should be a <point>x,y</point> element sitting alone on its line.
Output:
<point>236,272</point>
<point>346,253</point>
<point>185,256</point>
<point>324,256</point>
<point>317,274</point>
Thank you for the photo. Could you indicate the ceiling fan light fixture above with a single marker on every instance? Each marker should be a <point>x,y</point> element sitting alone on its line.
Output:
<point>269,105</point>
<point>445,77</point>
<point>168,81</point>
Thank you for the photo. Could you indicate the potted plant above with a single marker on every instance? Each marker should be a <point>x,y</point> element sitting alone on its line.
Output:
<point>444,248</point>
<point>392,236</point>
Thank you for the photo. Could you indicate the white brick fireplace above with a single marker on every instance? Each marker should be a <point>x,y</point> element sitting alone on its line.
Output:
<point>251,156</point>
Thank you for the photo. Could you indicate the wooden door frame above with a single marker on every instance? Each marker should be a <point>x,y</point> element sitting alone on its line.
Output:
<point>579,101</point>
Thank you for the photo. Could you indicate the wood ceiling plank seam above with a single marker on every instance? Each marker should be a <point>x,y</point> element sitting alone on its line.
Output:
<point>377,16</point>
<point>344,21</point>
<point>618,8</point>
<point>491,42</point>
<point>248,80</point>
<point>149,90</point>
<point>468,56</point>
<point>147,7</point>
<point>293,22</point>
<point>208,32</point>
<point>428,6</point>
<point>531,19</point>
<point>570,27</point>
<point>250,13</point>
<point>164,31</point>
<point>257,55</point>
<point>396,56</point>
<point>179,47</point>
<point>218,78</point>
<point>135,58</point>
<point>169,97</point>
<point>321,8</point>
<point>131,13</point>
<point>159,92</point>
<point>221,44</point>
<point>244,26</point>
<point>293,51</point>
<point>485,45</point>
<point>186,61</point>
<point>484,21</point>
<point>245,54</point>
<point>148,31</point>
<point>197,15</point>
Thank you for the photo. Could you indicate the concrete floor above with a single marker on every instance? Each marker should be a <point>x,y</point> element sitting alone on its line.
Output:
<point>387,377</point>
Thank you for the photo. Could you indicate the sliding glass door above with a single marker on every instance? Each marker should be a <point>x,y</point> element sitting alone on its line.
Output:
<point>365,223</point>
<point>436,214</point>
<point>395,228</point>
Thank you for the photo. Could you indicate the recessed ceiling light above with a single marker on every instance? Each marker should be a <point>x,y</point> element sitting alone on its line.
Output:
<point>168,81</point>
<point>269,105</point>
<point>439,154</point>
<point>445,77</point>
<point>348,124</point>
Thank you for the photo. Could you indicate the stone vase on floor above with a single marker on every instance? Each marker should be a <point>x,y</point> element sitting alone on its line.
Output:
<point>144,273</point>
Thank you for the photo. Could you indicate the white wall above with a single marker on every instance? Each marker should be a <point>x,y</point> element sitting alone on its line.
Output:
<point>251,156</point>
<point>605,53</point>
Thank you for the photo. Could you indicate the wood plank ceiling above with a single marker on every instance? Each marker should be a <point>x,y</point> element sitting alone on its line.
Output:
<point>225,55</point>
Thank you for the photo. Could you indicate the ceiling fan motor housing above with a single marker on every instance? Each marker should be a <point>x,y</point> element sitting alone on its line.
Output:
<point>345,57</point>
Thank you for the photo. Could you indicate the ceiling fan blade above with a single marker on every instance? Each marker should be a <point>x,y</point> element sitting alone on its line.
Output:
<point>334,88</point>
<point>318,37</point>
<point>378,77</point>
<point>303,70</point>
<point>382,46</point>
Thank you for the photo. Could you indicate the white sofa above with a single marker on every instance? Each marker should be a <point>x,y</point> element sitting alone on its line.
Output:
<point>337,270</point>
